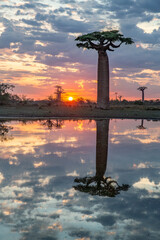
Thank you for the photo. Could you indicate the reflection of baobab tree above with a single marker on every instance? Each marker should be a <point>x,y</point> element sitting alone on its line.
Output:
<point>141,125</point>
<point>56,123</point>
<point>99,184</point>
<point>4,131</point>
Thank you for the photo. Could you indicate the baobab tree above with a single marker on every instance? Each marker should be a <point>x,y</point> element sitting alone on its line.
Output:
<point>120,98</point>
<point>103,42</point>
<point>116,95</point>
<point>142,90</point>
<point>58,93</point>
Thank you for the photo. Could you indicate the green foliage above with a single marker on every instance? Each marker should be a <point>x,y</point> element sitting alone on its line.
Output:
<point>105,39</point>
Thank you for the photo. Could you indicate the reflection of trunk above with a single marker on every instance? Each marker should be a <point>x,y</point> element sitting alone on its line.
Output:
<point>102,147</point>
<point>142,123</point>
<point>103,80</point>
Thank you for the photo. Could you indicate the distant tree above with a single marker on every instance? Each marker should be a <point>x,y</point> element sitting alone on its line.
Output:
<point>50,98</point>
<point>15,98</point>
<point>5,95</point>
<point>116,95</point>
<point>142,90</point>
<point>103,42</point>
<point>59,91</point>
<point>120,98</point>
<point>81,100</point>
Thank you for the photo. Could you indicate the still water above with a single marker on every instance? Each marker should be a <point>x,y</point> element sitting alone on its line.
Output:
<point>80,180</point>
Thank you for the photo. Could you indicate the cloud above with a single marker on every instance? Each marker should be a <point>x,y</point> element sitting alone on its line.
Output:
<point>66,24</point>
<point>31,22</point>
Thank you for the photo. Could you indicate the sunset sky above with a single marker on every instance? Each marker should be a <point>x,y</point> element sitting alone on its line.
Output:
<point>38,51</point>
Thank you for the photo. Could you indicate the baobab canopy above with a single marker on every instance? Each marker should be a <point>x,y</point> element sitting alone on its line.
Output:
<point>97,40</point>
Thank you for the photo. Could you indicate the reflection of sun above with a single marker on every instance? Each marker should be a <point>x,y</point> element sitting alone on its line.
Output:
<point>70,98</point>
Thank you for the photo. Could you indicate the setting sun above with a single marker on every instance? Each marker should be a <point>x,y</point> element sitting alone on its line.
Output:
<point>70,98</point>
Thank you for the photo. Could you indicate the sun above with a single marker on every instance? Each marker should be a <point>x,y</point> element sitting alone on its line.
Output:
<point>70,98</point>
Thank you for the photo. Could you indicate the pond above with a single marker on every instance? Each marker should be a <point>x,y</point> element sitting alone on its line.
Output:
<point>79,180</point>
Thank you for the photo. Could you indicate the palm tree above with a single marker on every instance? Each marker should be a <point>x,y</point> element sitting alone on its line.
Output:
<point>142,90</point>
<point>103,42</point>
<point>99,184</point>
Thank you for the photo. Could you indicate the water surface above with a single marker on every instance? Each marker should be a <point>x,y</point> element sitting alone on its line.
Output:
<point>79,180</point>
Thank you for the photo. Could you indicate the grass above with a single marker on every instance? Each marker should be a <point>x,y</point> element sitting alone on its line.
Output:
<point>44,111</point>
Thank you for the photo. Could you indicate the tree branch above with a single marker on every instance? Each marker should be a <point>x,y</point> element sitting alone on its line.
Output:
<point>93,44</point>
<point>115,46</point>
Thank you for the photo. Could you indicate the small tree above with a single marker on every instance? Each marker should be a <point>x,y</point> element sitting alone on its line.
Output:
<point>5,96</point>
<point>142,90</point>
<point>103,42</point>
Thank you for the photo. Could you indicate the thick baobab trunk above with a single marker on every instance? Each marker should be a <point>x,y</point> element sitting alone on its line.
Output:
<point>103,80</point>
<point>101,147</point>
<point>143,96</point>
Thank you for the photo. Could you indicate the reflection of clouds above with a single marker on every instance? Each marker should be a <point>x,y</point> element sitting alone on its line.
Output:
<point>22,145</point>
<point>45,181</point>
<point>38,164</point>
<point>37,195</point>
<point>73,174</point>
<point>1,177</point>
<point>13,160</point>
<point>141,165</point>
<point>150,186</point>
<point>147,136</point>
<point>56,226</point>
<point>65,140</point>
<point>83,126</point>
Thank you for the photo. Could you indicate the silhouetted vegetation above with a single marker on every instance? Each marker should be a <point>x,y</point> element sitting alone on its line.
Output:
<point>4,132</point>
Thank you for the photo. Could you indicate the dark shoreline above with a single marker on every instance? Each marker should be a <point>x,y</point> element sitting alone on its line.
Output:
<point>27,112</point>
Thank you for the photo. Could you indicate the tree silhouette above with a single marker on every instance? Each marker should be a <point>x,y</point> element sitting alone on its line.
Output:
<point>99,184</point>
<point>142,90</point>
<point>56,123</point>
<point>120,98</point>
<point>58,93</point>
<point>103,42</point>
<point>4,130</point>
<point>116,95</point>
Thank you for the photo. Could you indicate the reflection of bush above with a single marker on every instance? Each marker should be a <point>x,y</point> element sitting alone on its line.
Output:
<point>4,130</point>
<point>57,124</point>
<point>99,186</point>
